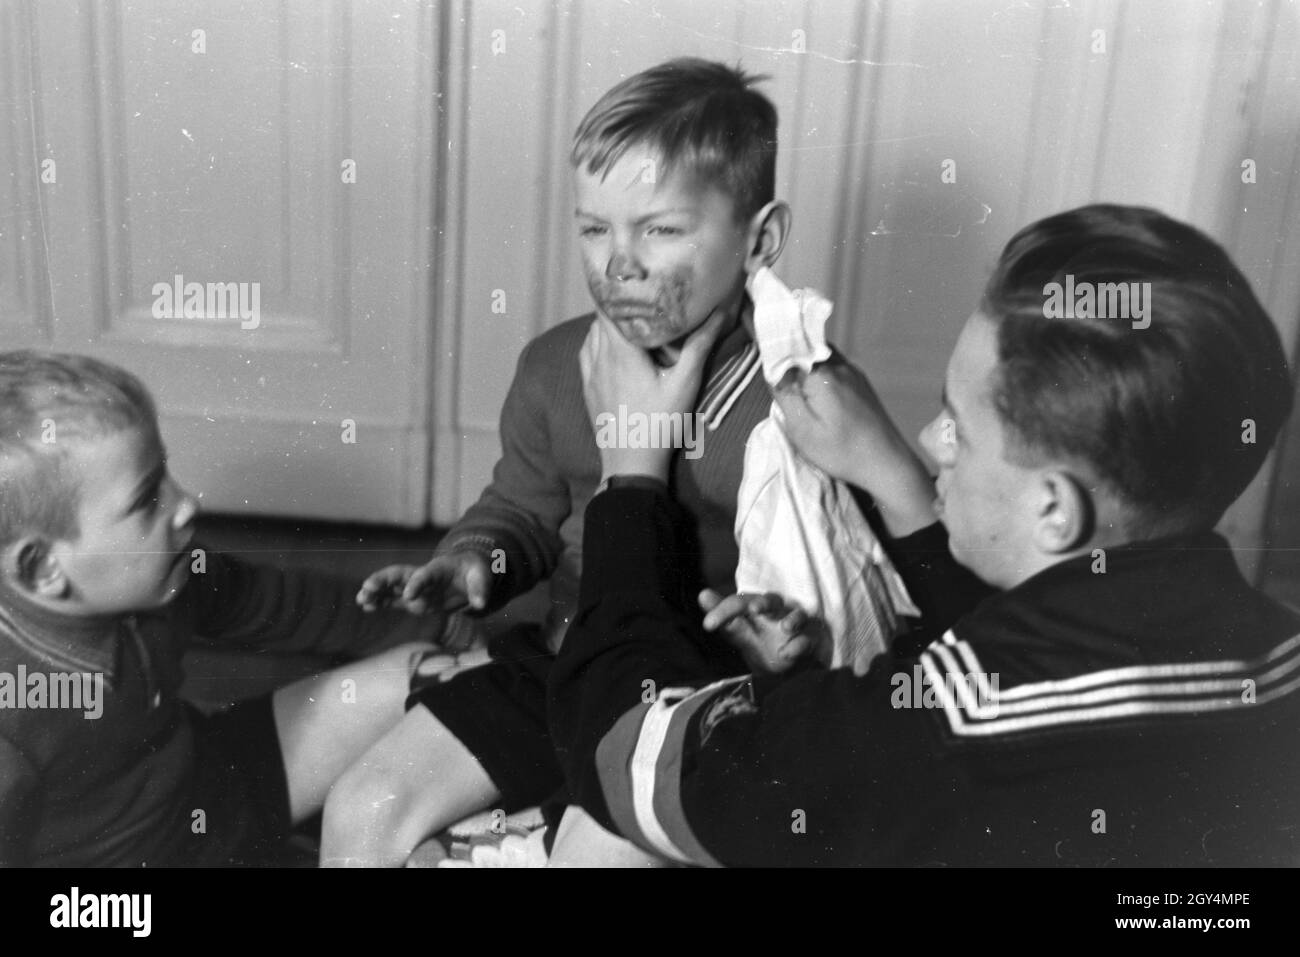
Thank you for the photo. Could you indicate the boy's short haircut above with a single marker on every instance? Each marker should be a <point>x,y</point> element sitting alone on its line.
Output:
<point>1174,418</point>
<point>48,400</point>
<point>702,115</point>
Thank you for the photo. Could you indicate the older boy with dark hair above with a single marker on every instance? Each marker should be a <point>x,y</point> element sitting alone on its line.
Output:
<point>1126,698</point>
<point>674,174</point>
<point>101,590</point>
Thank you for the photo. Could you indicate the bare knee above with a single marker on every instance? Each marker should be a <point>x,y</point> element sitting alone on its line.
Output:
<point>366,817</point>
<point>415,781</point>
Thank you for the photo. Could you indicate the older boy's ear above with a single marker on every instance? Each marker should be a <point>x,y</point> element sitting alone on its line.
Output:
<point>768,230</point>
<point>30,565</point>
<point>1067,514</point>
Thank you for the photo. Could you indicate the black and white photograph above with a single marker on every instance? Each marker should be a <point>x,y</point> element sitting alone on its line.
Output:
<point>446,434</point>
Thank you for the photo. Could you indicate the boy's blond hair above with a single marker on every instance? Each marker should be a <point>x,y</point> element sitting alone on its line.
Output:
<point>49,400</point>
<point>702,116</point>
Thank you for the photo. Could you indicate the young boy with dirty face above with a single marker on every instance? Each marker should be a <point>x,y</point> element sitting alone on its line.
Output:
<point>674,176</point>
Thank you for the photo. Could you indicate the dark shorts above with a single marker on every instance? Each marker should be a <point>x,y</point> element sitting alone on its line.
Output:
<point>241,787</point>
<point>498,712</point>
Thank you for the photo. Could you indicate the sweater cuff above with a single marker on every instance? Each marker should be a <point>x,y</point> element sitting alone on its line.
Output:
<point>483,544</point>
<point>922,544</point>
<point>647,482</point>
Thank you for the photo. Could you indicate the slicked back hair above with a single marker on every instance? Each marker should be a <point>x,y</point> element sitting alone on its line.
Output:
<point>1175,418</point>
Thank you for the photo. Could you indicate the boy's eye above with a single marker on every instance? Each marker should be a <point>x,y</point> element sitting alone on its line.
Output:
<point>661,230</point>
<point>590,230</point>
<point>148,500</point>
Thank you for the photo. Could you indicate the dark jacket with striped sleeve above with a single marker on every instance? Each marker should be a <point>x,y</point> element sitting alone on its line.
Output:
<point>1147,715</point>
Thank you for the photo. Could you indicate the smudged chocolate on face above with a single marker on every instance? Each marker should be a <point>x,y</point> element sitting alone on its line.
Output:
<point>653,315</point>
<point>659,256</point>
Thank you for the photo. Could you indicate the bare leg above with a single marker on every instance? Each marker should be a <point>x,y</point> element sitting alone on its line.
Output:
<point>413,782</point>
<point>327,721</point>
<point>581,842</point>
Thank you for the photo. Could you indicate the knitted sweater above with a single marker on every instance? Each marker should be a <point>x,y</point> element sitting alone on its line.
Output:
<point>550,467</point>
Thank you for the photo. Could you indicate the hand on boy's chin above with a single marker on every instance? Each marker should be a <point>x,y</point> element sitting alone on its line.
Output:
<point>659,338</point>
<point>663,343</point>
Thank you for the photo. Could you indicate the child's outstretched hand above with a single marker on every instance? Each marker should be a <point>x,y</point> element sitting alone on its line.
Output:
<point>446,583</point>
<point>770,634</point>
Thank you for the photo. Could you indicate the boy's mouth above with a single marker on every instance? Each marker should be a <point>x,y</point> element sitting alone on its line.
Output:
<point>625,310</point>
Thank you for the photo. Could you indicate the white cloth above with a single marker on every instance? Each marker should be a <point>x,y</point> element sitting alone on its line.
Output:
<point>799,531</point>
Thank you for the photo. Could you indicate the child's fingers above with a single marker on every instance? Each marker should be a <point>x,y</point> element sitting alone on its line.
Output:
<point>377,581</point>
<point>709,600</point>
<point>366,594</point>
<point>795,648</point>
<point>413,586</point>
<point>795,621</point>
<point>477,585</point>
<point>861,664</point>
<point>370,601</point>
<point>421,581</point>
<point>378,585</point>
<point>725,611</point>
<point>742,603</point>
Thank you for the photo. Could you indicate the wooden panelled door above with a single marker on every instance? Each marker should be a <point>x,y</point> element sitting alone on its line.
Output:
<point>239,154</point>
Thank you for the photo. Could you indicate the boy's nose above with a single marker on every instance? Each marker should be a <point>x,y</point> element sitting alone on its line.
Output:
<point>623,267</point>
<point>934,439</point>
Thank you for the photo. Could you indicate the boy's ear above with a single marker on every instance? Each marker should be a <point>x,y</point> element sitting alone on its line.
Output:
<point>31,566</point>
<point>1067,514</point>
<point>768,230</point>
